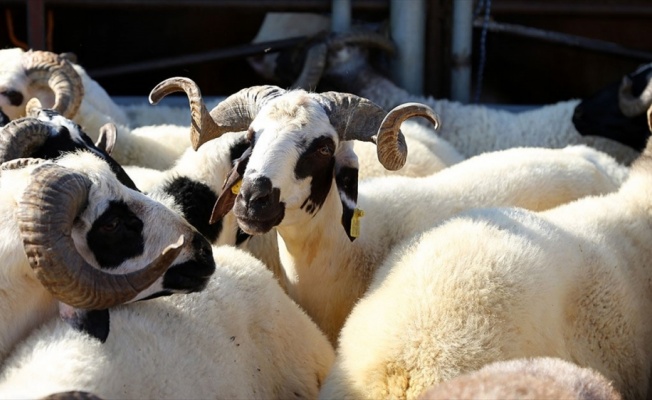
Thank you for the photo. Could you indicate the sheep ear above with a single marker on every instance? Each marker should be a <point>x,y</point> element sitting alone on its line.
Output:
<point>93,322</point>
<point>107,138</point>
<point>231,187</point>
<point>346,180</point>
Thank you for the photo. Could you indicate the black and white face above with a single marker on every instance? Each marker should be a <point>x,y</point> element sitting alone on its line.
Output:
<point>122,230</point>
<point>600,114</point>
<point>291,168</point>
<point>66,136</point>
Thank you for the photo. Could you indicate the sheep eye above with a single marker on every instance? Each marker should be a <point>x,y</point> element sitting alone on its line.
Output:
<point>111,225</point>
<point>325,151</point>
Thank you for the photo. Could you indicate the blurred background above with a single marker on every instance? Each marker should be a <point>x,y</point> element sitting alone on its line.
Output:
<point>523,51</point>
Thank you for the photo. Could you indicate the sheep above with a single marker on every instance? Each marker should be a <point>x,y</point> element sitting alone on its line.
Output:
<point>572,282</point>
<point>471,129</point>
<point>299,175</point>
<point>46,134</point>
<point>76,242</point>
<point>241,338</point>
<point>536,378</point>
<point>149,137</point>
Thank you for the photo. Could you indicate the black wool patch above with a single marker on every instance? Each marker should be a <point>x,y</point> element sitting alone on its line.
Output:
<point>196,201</point>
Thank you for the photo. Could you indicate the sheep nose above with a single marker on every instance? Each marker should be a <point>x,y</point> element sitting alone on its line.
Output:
<point>257,193</point>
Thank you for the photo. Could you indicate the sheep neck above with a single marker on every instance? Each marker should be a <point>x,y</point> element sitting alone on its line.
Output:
<point>326,272</point>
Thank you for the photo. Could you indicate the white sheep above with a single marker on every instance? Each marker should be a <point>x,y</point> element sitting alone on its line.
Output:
<point>533,378</point>
<point>241,338</point>
<point>493,284</point>
<point>299,177</point>
<point>74,237</point>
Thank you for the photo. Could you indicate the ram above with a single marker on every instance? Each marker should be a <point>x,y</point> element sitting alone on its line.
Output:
<point>150,137</point>
<point>614,123</point>
<point>75,238</point>
<point>193,184</point>
<point>241,338</point>
<point>535,378</point>
<point>494,284</point>
<point>46,134</point>
<point>299,175</point>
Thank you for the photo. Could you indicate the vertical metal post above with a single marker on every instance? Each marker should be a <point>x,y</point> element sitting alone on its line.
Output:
<point>408,23</point>
<point>341,15</point>
<point>461,45</point>
<point>36,24</point>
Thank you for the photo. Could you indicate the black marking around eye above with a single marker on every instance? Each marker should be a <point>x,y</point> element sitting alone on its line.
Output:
<point>15,97</point>
<point>313,164</point>
<point>125,241</point>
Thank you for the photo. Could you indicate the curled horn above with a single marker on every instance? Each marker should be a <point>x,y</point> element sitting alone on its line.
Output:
<point>356,118</point>
<point>44,68</point>
<point>21,137</point>
<point>233,114</point>
<point>629,105</point>
<point>46,214</point>
<point>317,54</point>
<point>366,38</point>
<point>19,163</point>
<point>389,132</point>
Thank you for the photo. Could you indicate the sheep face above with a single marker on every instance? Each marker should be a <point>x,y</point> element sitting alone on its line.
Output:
<point>618,111</point>
<point>291,167</point>
<point>122,230</point>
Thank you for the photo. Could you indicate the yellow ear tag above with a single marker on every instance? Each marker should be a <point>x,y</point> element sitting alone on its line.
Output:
<point>235,189</point>
<point>355,222</point>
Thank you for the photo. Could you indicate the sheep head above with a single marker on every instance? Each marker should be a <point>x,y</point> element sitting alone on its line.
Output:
<point>617,111</point>
<point>46,134</point>
<point>41,74</point>
<point>94,243</point>
<point>298,148</point>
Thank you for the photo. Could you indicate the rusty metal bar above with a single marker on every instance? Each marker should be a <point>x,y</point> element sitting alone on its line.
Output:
<point>219,54</point>
<point>36,24</point>
<point>566,39</point>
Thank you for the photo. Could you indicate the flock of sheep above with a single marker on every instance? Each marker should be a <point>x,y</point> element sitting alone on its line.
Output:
<point>359,243</point>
